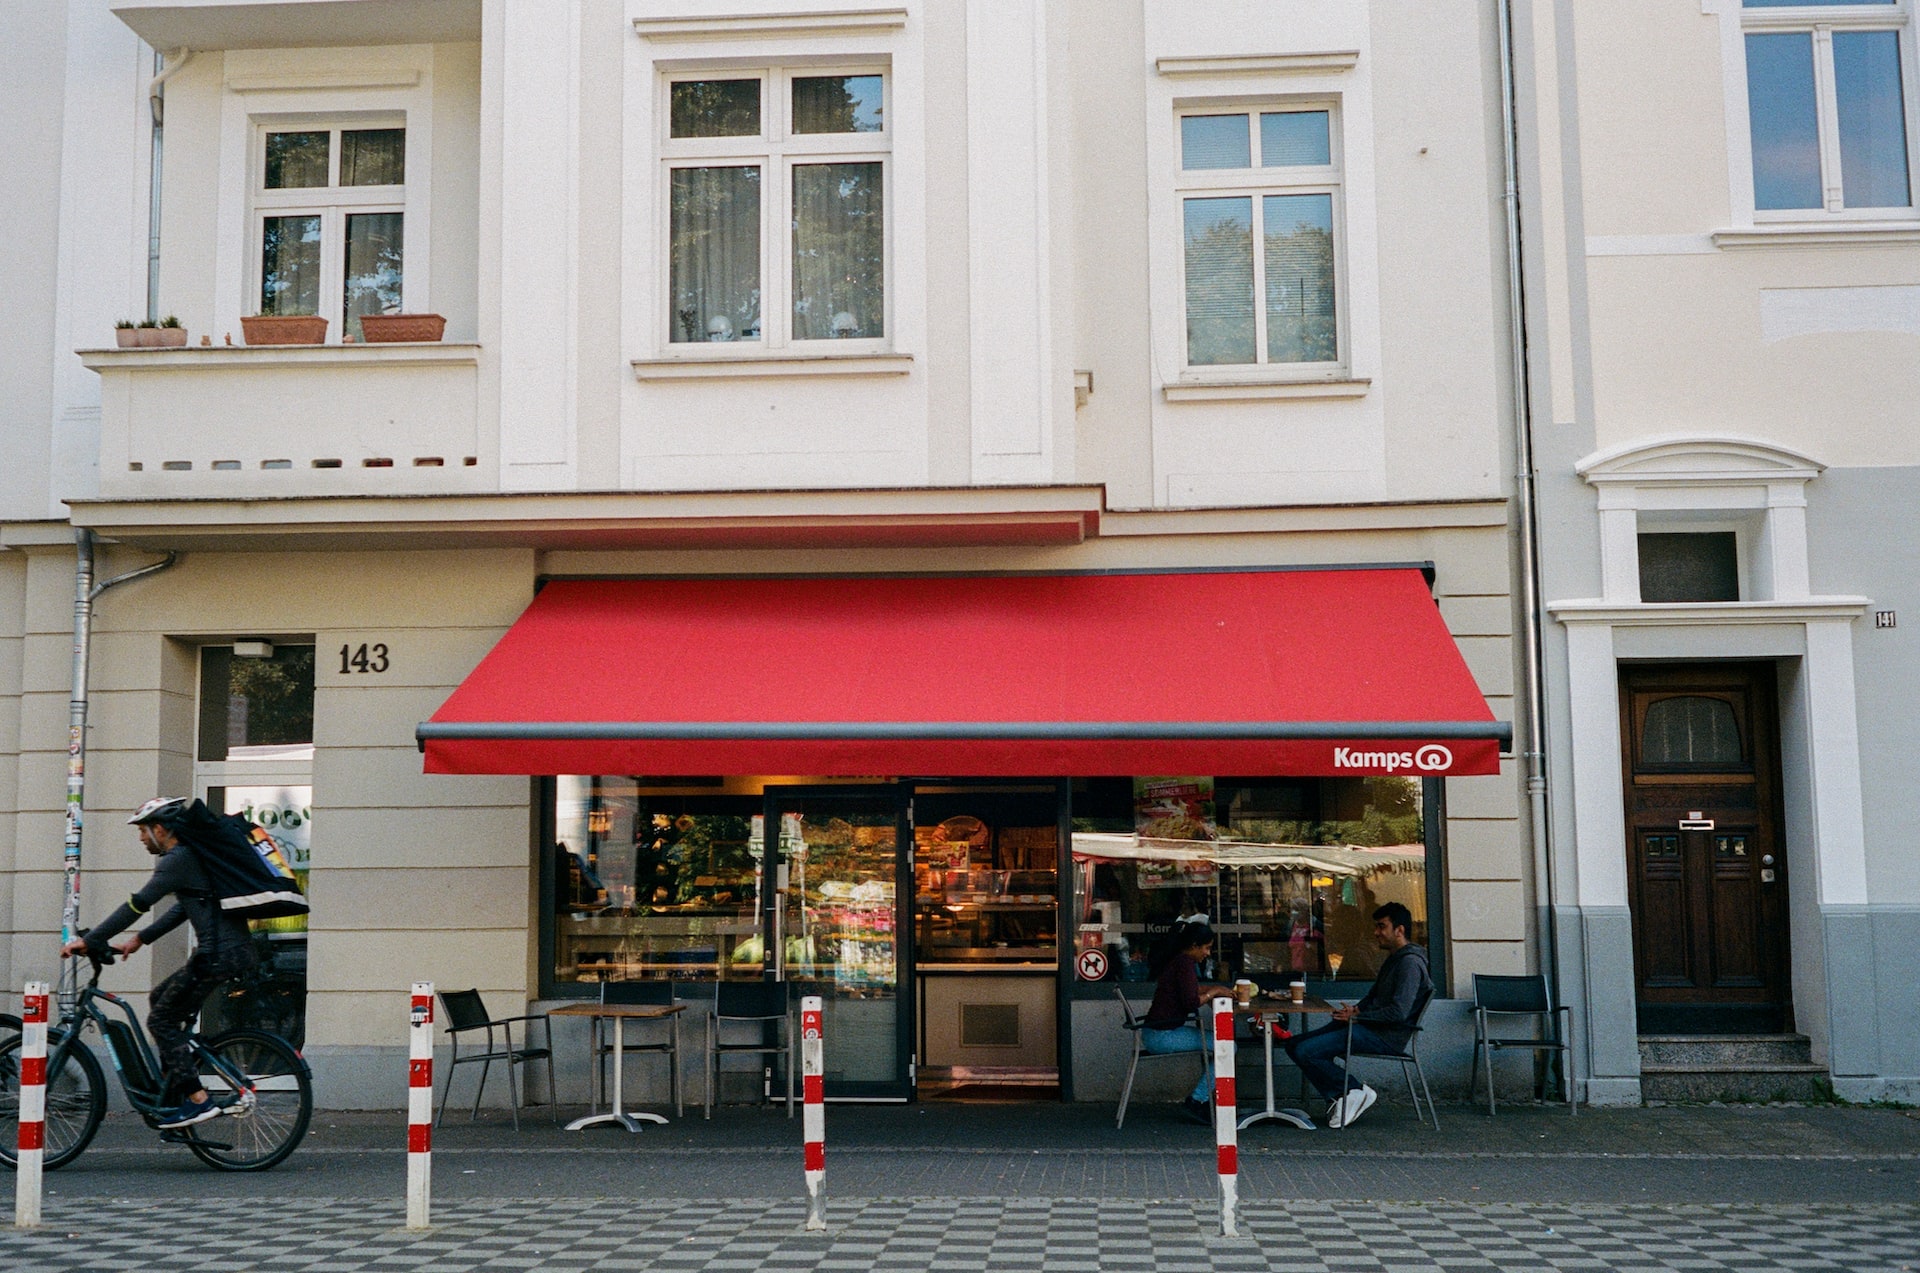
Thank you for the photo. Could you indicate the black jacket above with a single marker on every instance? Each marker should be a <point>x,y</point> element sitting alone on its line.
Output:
<point>178,873</point>
<point>1389,1003</point>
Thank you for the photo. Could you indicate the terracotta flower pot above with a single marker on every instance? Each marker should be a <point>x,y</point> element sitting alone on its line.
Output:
<point>127,337</point>
<point>284,329</point>
<point>387,328</point>
<point>169,337</point>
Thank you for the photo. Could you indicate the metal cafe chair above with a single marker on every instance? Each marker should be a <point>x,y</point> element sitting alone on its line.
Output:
<point>667,1044</point>
<point>749,1002</point>
<point>466,1012</point>
<point>1409,1060</point>
<point>1550,1030</point>
<point>1133,1025</point>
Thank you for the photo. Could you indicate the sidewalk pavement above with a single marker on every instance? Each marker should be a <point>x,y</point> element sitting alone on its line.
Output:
<point>939,1186</point>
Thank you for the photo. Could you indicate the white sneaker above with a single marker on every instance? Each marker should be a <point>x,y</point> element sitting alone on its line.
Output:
<point>1349,1108</point>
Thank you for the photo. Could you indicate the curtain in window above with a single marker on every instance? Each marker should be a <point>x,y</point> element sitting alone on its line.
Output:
<point>1219,281</point>
<point>290,265</point>
<point>373,157</point>
<point>839,251</point>
<point>714,257</point>
<point>375,243</point>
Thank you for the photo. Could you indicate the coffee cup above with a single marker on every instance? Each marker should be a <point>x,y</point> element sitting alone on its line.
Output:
<point>1297,991</point>
<point>1244,990</point>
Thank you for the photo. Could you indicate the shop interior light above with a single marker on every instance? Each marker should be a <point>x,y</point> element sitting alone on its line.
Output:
<point>253,649</point>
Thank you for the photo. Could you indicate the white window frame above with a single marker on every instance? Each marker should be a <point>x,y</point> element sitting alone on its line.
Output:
<point>332,203</point>
<point>776,150</point>
<point>1253,183</point>
<point>1821,22</point>
<point>288,88</point>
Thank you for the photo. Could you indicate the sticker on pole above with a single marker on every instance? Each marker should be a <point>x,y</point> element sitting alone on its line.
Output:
<point>810,1024</point>
<point>422,1013</point>
<point>1090,965</point>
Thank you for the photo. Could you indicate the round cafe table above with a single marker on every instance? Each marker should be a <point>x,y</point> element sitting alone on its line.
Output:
<point>1266,1005</point>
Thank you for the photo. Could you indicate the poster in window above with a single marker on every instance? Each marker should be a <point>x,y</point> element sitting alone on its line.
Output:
<point>1175,808</point>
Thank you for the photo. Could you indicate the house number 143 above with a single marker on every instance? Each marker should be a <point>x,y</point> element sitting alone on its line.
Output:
<point>362,658</point>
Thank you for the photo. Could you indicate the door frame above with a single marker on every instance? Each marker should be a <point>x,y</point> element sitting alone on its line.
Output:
<point>901,1087</point>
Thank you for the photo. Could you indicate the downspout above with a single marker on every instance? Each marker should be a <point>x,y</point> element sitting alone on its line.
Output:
<point>165,66</point>
<point>1527,513</point>
<point>85,591</point>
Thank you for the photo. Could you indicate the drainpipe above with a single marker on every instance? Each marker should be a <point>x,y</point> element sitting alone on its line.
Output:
<point>165,66</point>
<point>1527,513</point>
<point>85,591</point>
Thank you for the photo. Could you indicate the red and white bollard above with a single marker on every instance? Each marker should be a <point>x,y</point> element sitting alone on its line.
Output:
<point>33,1105</point>
<point>1226,1115</point>
<point>813,1114</point>
<point>420,1106</point>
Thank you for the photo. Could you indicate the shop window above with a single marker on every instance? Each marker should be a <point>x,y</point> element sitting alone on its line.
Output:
<point>654,887</point>
<point>775,181</point>
<point>255,758</point>
<point>1689,566</point>
<point>1288,871</point>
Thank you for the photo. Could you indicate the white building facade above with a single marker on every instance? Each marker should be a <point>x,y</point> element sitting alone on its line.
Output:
<point>772,301</point>
<point>1722,242</point>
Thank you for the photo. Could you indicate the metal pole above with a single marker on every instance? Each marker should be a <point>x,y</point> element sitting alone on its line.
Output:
<point>85,592</point>
<point>1526,514</point>
<point>77,729</point>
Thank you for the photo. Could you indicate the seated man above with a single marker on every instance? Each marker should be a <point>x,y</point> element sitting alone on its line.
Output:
<point>1379,1020</point>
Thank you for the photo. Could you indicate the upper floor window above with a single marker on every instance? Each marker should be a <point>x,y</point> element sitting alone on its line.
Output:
<point>776,196</point>
<point>330,219</point>
<point>1260,215</point>
<point>1827,104</point>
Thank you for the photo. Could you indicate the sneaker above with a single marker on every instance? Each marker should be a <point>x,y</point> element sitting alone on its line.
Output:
<point>188,1114</point>
<point>1196,1112</point>
<point>1350,1107</point>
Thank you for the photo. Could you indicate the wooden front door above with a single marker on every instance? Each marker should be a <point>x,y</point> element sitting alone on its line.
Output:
<point>1707,883</point>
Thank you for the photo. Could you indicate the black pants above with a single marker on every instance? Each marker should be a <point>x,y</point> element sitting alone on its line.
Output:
<point>175,1003</point>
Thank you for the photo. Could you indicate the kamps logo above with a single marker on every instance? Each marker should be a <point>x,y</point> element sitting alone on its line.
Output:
<point>1432,758</point>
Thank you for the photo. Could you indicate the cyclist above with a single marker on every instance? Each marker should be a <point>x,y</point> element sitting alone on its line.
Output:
<point>223,950</point>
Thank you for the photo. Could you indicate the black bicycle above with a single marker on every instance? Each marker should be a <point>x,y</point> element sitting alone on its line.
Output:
<point>261,1083</point>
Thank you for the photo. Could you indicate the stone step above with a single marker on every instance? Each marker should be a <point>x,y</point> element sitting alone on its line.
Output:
<point>1705,1050</point>
<point>1757,1083</point>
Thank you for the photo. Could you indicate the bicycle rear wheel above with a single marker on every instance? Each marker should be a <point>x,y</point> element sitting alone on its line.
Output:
<point>267,1121</point>
<point>76,1100</point>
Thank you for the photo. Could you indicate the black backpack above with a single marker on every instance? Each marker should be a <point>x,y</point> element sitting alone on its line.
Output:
<point>245,868</point>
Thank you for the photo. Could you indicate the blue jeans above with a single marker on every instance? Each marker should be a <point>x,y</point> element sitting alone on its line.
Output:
<point>1317,1053</point>
<point>1185,1038</point>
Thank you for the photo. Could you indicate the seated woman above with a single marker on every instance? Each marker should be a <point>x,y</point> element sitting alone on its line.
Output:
<point>1175,964</point>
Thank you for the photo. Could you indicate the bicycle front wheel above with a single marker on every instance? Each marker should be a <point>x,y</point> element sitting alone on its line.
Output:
<point>76,1100</point>
<point>267,1110</point>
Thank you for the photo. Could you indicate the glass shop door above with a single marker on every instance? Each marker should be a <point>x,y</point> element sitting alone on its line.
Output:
<point>836,931</point>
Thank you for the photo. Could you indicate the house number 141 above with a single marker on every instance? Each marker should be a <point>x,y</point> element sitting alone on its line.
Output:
<point>362,658</point>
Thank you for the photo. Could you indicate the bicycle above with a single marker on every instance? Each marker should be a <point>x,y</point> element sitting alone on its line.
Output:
<point>262,1084</point>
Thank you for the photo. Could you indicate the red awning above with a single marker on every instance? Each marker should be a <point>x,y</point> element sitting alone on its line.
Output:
<point>1285,672</point>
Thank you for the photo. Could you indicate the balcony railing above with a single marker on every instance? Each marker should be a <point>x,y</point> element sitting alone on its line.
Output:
<point>249,422</point>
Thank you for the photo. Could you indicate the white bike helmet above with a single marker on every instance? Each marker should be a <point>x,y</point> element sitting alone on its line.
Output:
<point>164,810</point>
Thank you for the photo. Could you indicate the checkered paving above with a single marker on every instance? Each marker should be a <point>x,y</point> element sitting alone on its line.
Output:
<point>926,1236</point>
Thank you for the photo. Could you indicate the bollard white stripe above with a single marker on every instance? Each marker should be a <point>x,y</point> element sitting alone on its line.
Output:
<point>32,1109</point>
<point>419,1105</point>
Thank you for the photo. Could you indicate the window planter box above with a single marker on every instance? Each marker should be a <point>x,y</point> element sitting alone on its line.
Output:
<point>284,329</point>
<point>389,328</point>
<point>150,337</point>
